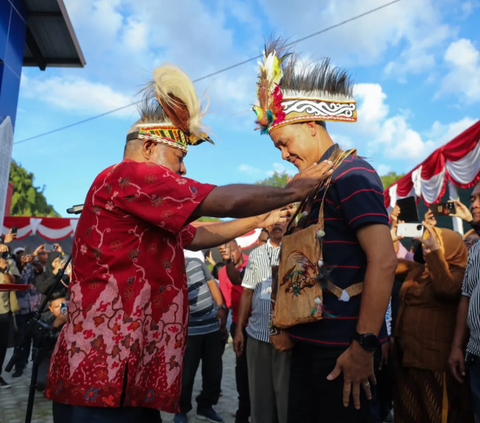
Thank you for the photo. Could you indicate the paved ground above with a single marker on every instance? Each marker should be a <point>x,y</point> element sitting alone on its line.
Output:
<point>13,402</point>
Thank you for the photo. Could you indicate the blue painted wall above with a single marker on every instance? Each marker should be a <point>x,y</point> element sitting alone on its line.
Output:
<point>13,27</point>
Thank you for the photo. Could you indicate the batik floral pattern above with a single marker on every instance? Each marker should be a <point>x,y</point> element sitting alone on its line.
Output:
<point>128,310</point>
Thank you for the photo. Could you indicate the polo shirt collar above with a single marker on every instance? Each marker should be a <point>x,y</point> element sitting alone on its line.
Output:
<point>328,153</point>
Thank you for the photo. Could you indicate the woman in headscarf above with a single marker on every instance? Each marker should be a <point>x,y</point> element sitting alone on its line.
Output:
<point>426,391</point>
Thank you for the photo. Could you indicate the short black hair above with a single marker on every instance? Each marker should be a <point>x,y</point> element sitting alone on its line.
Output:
<point>216,269</point>
<point>61,293</point>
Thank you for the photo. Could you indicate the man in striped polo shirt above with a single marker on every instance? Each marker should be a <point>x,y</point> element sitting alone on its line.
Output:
<point>268,369</point>
<point>208,316</point>
<point>332,360</point>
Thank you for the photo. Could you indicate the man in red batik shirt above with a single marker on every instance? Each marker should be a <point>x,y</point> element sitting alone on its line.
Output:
<point>119,356</point>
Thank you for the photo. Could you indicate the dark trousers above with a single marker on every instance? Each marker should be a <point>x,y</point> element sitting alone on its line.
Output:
<point>314,399</point>
<point>209,349</point>
<point>4,336</point>
<point>63,413</point>
<point>474,373</point>
<point>22,360</point>
<point>241,377</point>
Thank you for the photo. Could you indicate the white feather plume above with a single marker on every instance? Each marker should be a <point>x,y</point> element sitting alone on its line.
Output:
<point>170,79</point>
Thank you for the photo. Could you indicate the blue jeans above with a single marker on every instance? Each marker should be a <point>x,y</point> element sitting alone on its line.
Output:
<point>474,372</point>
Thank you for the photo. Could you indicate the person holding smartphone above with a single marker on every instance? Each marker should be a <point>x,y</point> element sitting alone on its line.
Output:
<point>429,299</point>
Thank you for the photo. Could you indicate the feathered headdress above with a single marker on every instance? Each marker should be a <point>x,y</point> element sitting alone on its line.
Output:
<point>290,92</point>
<point>170,111</point>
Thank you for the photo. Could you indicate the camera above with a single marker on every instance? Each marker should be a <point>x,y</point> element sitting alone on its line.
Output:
<point>6,255</point>
<point>64,308</point>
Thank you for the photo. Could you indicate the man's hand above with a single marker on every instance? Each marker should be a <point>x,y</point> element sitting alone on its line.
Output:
<point>282,215</point>
<point>305,181</point>
<point>226,252</point>
<point>356,364</point>
<point>238,343</point>
<point>456,361</point>
<point>462,211</point>
<point>222,316</point>
<point>209,259</point>
<point>27,259</point>
<point>10,237</point>
<point>58,247</point>
<point>38,249</point>
<point>60,320</point>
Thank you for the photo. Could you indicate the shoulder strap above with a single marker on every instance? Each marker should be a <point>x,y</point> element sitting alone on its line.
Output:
<point>337,158</point>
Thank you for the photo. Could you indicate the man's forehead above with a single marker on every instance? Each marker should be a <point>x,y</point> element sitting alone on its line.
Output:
<point>476,191</point>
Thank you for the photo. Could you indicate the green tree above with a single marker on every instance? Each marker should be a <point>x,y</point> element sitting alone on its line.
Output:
<point>28,200</point>
<point>208,219</point>
<point>278,179</point>
<point>390,179</point>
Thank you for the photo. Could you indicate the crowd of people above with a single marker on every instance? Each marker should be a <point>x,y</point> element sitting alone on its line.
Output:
<point>421,366</point>
<point>37,270</point>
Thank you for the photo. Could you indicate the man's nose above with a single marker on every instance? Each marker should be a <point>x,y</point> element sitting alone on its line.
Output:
<point>183,170</point>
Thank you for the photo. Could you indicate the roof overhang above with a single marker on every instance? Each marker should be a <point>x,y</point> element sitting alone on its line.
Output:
<point>50,40</point>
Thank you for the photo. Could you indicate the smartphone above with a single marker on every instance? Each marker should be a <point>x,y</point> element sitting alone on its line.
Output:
<point>443,209</point>
<point>28,250</point>
<point>408,210</point>
<point>14,230</point>
<point>49,247</point>
<point>410,230</point>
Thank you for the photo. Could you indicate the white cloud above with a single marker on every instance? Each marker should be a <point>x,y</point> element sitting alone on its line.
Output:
<point>372,108</point>
<point>383,169</point>
<point>280,168</point>
<point>401,141</point>
<point>444,133</point>
<point>344,141</point>
<point>415,24</point>
<point>419,56</point>
<point>245,168</point>
<point>463,79</point>
<point>468,7</point>
<point>77,95</point>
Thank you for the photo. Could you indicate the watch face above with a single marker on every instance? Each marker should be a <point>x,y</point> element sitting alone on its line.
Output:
<point>369,341</point>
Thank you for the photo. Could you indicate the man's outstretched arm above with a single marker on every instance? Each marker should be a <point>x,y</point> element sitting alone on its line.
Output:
<point>214,235</point>
<point>251,200</point>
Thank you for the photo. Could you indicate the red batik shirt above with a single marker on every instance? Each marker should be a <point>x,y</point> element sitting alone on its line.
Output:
<point>128,310</point>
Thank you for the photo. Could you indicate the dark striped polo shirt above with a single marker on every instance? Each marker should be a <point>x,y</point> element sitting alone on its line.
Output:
<point>355,198</point>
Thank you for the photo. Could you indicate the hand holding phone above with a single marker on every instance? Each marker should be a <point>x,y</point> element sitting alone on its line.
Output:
<point>410,230</point>
<point>444,209</point>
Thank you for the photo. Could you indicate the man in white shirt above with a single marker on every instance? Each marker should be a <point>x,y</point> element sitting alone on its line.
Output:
<point>268,369</point>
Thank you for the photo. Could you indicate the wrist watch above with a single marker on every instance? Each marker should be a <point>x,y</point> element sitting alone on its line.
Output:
<point>222,306</point>
<point>368,341</point>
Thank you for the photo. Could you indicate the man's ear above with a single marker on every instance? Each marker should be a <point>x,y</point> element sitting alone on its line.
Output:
<point>312,128</point>
<point>147,149</point>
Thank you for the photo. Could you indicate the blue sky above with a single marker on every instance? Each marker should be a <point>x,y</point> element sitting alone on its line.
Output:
<point>416,65</point>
